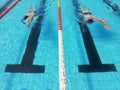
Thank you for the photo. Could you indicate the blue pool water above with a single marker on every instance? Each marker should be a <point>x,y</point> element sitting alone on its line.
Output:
<point>3,2</point>
<point>14,36</point>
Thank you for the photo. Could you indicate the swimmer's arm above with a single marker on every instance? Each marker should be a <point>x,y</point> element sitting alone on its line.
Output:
<point>103,21</point>
<point>81,9</point>
<point>30,8</point>
<point>34,8</point>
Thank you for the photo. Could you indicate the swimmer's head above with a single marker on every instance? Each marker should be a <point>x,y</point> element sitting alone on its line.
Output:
<point>34,11</point>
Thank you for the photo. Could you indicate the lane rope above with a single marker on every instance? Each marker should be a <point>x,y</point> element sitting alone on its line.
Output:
<point>8,9</point>
<point>62,74</point>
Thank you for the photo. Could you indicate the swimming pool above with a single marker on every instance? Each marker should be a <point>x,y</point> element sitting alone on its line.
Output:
<point>14,37</point>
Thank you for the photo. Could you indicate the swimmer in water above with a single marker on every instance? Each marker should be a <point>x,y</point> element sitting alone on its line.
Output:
<point>29,16</point>
<point>89,18</point>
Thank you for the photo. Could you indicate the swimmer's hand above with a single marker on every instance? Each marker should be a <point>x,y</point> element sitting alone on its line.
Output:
<point>107,26</point>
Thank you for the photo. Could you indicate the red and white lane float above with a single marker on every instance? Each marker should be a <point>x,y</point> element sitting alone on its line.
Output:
<point>8,9</point>
<point>62,73</point>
